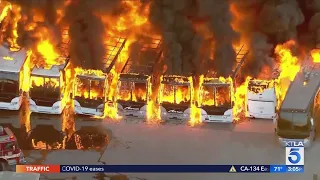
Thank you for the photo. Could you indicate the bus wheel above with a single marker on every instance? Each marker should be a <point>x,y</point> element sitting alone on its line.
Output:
<point>3,165</point>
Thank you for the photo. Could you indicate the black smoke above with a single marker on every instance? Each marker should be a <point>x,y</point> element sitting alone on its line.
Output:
<point>46,25</point>
<point>263,24</point>
<point>86,31</point>
<point>181,42</point>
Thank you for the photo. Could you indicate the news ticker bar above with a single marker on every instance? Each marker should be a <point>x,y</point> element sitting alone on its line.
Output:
<point>160,168</point>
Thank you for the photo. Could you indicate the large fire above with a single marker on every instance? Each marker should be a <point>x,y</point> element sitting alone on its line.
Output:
<point>46,49</point>
<point>105,85</point>
<point>6,8</point>
<point>289,67</point>
<point>178,93</point>
<point>44,82</point>
<point>87,87</point>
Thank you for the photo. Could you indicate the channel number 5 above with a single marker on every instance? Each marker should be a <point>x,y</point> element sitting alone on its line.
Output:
<point>294,156</point>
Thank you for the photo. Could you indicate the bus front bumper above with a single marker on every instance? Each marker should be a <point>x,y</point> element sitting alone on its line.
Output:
<point>217,118</point>
<point>262,116</point>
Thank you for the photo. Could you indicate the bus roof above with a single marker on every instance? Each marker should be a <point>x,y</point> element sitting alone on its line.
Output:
<point>63,51</point>
<point>114,46</point>
<point>11,61</point>
<point>19,176</point>
<point>148,54</point>
<point>54,71</point>
<point>302,90</point>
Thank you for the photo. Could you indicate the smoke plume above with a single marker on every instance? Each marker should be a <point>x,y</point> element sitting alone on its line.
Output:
<point>86,32</point>
<point>222,33</point>
<point>281,18</point>
<point>263,24</point>
<point>258,24</point>
<point>38,22</point>
<point>181,44</point>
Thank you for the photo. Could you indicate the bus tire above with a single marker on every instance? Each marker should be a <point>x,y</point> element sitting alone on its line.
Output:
<point>3,165</point>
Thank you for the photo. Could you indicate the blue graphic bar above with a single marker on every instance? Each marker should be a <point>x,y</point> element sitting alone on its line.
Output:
<point>278,168</point>
<point>165,168</point>
<point>295,169</point>
<point>286,169</point>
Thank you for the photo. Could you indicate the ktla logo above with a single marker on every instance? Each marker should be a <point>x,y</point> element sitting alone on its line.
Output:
<point>294,153</point>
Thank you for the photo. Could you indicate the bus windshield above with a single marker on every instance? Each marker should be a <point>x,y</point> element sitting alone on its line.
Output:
<point>293,124</point>
<point>124,91</point>
<point>45,87</point>
<point>89,88</point>
<point>223,96</point>
<point>9,83</point>
<point>176,94</point>
<point>208,93</point>
<point>214,95</point>
<point>133,91</point>
<point>139,92</point>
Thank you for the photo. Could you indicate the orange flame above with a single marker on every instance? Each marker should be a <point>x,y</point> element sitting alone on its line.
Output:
<point>289,67</point>
<point>5,10</point>
<point>315,54</point>
<point>46,49</point>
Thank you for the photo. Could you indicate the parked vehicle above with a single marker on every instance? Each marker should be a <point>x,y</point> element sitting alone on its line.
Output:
<point>175,97</point>
<point>261,99</point>
<point>297,115</point>
<point>90,86</point>
<point>11,77</point>
<point>10,153</point>
<point>217,93</point>
<point>134,85</point>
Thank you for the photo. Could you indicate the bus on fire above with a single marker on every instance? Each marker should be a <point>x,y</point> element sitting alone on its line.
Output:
<point>89,93</point>
<point>135,79</point>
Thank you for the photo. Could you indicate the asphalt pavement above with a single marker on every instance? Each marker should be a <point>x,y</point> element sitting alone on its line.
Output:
<point>134,142</point>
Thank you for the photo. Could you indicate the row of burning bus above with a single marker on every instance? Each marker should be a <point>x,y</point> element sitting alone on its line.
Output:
<point>48,85</point>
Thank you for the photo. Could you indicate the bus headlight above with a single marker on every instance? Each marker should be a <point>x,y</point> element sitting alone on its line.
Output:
<point>33,106</point>
<point>14,103</point>
<point>226,116</point>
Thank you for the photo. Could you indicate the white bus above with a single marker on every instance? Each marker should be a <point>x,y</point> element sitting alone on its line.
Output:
<point>175,97</point>
<point>11,77</point>
<point>217,94</point>
<point>48,83</point>
<point>135,79</point>
<point>47,88</point>
<point>89,92</point>
<point>216,100</point>
<point>261,99</point>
